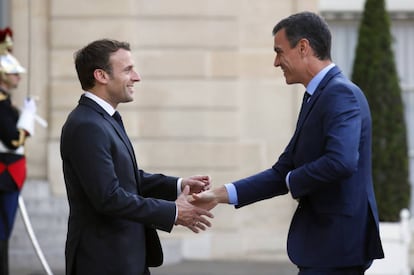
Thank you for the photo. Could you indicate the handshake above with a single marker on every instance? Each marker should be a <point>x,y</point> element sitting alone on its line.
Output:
<point>196,201</point>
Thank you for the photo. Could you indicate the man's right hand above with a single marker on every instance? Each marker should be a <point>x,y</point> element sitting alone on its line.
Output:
<point>210,198</point>
<point>206,200</point>
<point>190,215</point>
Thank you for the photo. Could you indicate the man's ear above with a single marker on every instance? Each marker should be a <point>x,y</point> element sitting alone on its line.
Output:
<point>101,76</point>
<point>304,46</point>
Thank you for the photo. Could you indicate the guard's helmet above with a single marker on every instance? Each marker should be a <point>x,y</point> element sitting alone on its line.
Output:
<point>8,63</point>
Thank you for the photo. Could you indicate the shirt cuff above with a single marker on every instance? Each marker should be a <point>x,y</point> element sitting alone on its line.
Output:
<point>232,193</point>
<point>287,180</point>
<point>179,180</point>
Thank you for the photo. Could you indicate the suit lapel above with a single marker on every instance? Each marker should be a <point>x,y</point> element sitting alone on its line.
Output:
<point>121,133</point>
<point>307,107</point>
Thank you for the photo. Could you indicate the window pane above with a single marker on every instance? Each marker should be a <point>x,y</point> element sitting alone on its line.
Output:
<point>4,13</point>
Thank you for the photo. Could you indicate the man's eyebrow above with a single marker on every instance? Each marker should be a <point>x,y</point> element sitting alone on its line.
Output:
<point>129,67</point>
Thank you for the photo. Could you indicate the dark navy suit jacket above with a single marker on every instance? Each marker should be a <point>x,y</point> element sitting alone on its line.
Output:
<point>329,156</point>
<point>114,207</point>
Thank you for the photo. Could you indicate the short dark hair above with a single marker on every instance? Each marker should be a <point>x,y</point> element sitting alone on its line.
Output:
<point>96,56</point>
<point>310,26</point>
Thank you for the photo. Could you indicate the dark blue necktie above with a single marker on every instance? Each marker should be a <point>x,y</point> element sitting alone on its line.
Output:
<point>306,97</point>
<point>118,119</point>
<point>304,106</point>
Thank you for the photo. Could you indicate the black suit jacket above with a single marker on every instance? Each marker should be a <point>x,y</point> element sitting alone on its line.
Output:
<point>114,207</point>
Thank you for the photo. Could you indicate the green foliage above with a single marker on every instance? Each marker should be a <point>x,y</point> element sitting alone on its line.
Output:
<point>375,73</point>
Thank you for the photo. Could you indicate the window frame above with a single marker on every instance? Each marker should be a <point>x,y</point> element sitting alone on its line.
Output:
<point>344,27</point>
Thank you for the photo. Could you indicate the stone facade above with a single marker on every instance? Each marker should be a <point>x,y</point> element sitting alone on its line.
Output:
<point>210,100</point>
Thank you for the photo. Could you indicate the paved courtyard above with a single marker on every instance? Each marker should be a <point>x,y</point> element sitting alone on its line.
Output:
<point>227,268</point>
<point>207,268</point>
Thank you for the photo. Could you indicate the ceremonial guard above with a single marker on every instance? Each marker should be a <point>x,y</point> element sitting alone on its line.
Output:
<point>15,127</point>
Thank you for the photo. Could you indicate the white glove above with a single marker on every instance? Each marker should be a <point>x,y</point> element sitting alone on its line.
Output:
<point>27,117</point>
<point>29,105</point>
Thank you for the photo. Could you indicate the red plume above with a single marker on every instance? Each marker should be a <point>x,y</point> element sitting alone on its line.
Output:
<point>4,33</point>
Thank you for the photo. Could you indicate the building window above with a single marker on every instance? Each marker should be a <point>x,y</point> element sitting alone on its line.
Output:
<point>344,27</point>
<point>4,13</point>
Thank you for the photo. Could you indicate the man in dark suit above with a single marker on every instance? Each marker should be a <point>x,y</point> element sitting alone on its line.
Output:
<point>115,208</point>
<point>326,166</point>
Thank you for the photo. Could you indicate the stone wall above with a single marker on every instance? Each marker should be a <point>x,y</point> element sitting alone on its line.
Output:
<point>210,100</point>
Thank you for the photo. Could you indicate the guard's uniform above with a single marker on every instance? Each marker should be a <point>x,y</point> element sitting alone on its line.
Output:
<point>14,128</point>
<point>12,164</point>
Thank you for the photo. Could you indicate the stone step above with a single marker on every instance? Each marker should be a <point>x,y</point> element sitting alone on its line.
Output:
<point>38,189</point>
<point>48,215</point>
<point>53,206</point>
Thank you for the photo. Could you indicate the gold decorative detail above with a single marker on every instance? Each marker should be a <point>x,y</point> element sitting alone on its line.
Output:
<point>21,140</point>
<point>3,96</point>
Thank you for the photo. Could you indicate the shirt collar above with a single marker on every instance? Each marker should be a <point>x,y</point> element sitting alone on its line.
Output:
<point>313,84</point>
<point>105,105</point>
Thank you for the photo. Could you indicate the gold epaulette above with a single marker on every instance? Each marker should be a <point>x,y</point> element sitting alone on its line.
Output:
<point>21,140</point>
<point>3,97</point>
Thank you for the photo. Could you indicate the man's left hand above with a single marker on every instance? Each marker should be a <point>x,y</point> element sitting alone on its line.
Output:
<point>196,183</point>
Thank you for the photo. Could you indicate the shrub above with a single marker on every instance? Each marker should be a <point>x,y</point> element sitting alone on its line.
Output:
<point>374,71</point>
